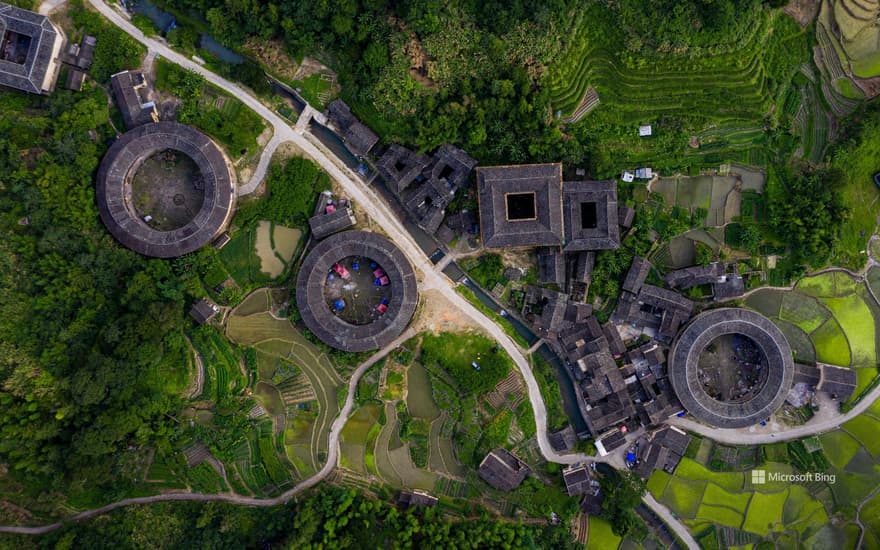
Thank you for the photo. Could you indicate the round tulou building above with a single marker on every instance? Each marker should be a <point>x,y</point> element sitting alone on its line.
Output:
<point>165,189</point>
<point>356,291</point>
<point>731,367</point>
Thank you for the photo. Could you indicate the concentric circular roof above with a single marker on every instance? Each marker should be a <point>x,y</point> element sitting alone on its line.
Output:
<point>703,330</point>
<point>121,162</point>
<point>331,329</point>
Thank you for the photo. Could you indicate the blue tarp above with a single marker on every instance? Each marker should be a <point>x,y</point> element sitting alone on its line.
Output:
<point>339,304</point>
<point>630,457</point>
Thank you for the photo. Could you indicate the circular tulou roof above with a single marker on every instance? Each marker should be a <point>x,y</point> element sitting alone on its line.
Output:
<point>699,333</point>
<point>331,329</point>
<point>119,165</point>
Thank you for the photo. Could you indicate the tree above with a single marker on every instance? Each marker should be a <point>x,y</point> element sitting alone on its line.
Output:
<point>623,491</point>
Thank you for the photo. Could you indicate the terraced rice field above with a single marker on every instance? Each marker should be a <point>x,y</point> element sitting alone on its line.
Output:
<point>419,399</point>
<point>725,94</point>
<point>830,318</point>
<point>354,437</point>
<point>866,430</point>
<point>277,337</point>
<point>839,447</point>
<point>729,499</point>
<point>393,460</point>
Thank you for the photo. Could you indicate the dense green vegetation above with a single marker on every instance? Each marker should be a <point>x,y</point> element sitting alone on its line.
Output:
<point>623,491</point>
<point>805,212</point>
<point>92,333</point>
<point>114,51</point>
<point>328,518</point>
<point>224,118</point>
<point>292,190</point>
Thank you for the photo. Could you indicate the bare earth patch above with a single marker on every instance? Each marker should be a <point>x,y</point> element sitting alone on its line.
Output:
<point>269,262</point>
<point>437,314</point>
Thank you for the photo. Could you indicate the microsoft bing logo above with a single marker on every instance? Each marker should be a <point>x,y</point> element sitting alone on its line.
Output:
<point>759,477</point>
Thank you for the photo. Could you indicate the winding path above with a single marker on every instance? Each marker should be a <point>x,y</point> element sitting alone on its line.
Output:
<point>741,436</point>
<point>379,211</point>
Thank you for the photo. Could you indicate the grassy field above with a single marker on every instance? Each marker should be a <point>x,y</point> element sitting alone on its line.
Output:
<point>456,354</point>
<point>860,196</point>
<point>601,536</point>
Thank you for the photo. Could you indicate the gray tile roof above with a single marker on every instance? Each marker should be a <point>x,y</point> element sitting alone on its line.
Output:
<point>331,329</point>
<point>551,266</point>
<point>125,223</point>
<point>636,275</point>
<point>36,69</point>
<point>452,165</point>
<point>203,310</point>
<point>496,182</point>
<point>591,217</point>
<point>503,470</point>
<point>324,225</point>
<point>359,138</point>
<point>399,166</point>
<point>134,97</point>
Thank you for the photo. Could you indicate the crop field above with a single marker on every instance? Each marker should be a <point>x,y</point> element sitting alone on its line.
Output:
<point>764,510</point>
<point>777,509</point>
<point>257,302</point>
<point>419,398</point>
<point>871,515</point>
<point>766,301</point>
<point>866,430</point>
<point>858,324</point>
<point>277,337</point>
<point>839,447</point>
<point>801,346</point>
<point>240,258</point>
<point>297,443</point>
<point>442,453</point>
<point>355,435</point>
<point>717,195</point>
<point>393,460</point>
<point>831,344</point>
<point>203,479</point>
<point>684,496</point>
<point>223,376</point>
<point>269,397</point>
<point>804,311</point>
<point>836,312</point>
